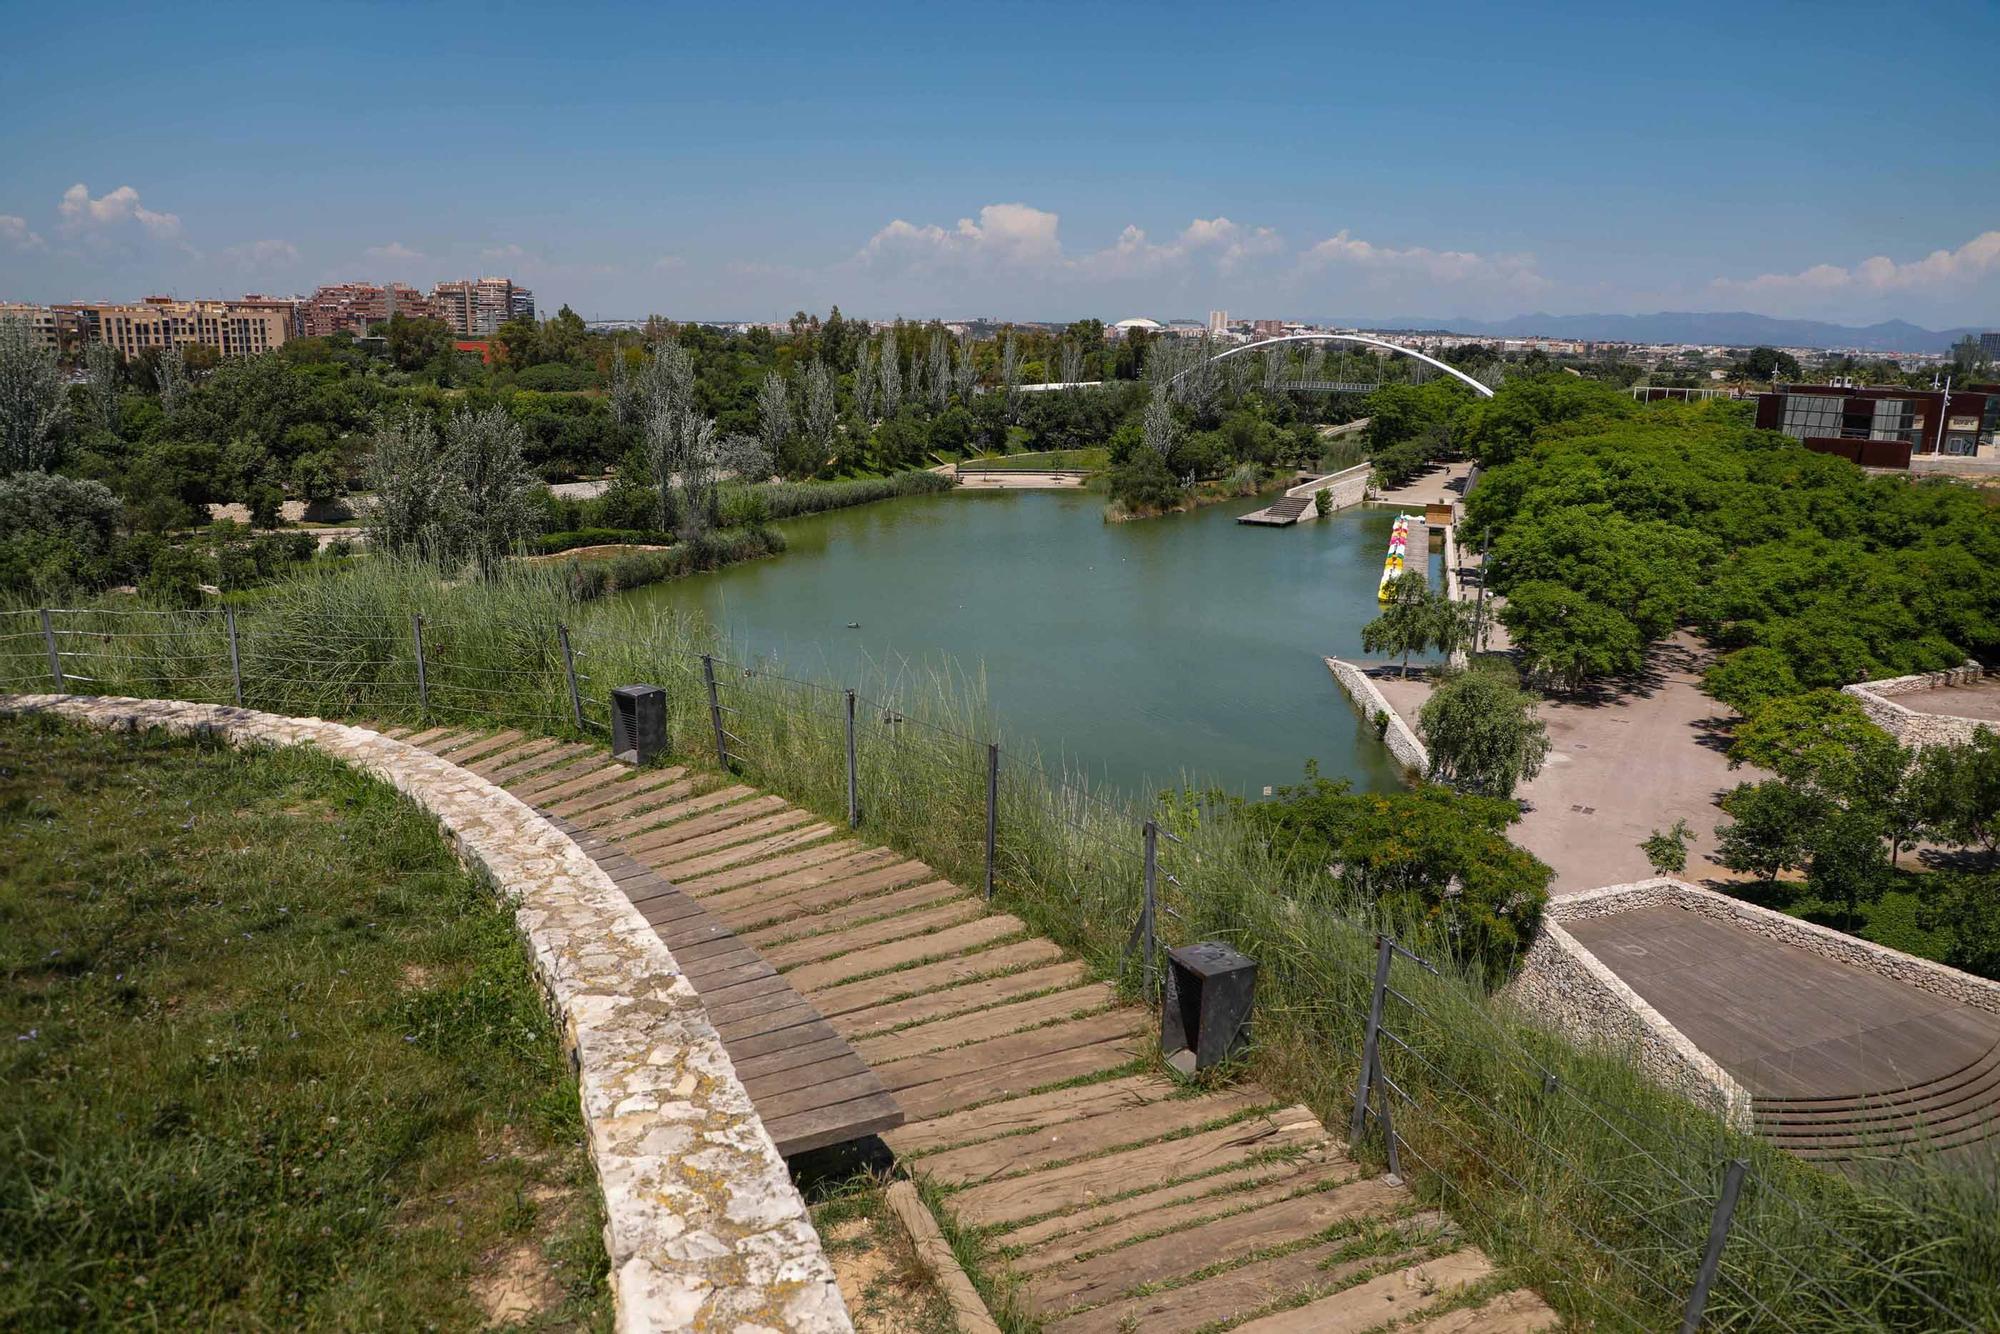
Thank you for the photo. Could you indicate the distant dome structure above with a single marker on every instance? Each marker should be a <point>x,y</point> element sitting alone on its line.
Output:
<point>1139,322</point>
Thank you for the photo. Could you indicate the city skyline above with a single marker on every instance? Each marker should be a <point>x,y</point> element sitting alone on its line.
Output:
<point>1058,164</point>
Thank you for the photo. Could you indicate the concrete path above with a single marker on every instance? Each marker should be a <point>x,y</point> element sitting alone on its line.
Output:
<point>1442,485</point>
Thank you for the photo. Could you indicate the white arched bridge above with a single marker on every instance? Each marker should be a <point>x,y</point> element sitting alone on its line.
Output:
<point>1302,385</point>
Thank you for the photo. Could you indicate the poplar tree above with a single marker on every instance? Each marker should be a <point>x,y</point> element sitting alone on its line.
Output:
<point>32,406</point>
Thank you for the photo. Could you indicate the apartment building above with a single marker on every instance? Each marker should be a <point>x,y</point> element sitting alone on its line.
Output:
<point>477,307</point>
<point>242,328</point>
<point>45,323</point>
<point>355,306</point>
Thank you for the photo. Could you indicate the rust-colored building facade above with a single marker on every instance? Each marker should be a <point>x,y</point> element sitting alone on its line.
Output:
<point>1882,426</point>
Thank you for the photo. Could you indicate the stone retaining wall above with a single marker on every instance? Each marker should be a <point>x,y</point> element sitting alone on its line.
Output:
<point>1563,985</point>
<point>705,1229</point>
<point>1913,729</point>
<point>1402,742</point>
<point>1348,487</point>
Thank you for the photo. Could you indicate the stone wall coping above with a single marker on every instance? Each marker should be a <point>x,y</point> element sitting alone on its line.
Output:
<point>1964,674</point>
<point>705,1229</point>
<point>1924,974</point>
<point>1403,743</point>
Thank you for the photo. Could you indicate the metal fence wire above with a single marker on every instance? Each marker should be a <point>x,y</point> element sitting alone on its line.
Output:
<point>994,817</point>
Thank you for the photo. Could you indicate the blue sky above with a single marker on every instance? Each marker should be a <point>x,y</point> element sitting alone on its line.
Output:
<point>1021,160</point>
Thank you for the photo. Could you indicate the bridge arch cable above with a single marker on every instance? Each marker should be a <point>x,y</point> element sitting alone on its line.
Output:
<point>1362,340</point>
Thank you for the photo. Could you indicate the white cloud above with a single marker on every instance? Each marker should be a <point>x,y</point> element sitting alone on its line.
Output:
<point>14,231</point>
<point>394,250</point>
<point>509,251</point>
<point>262,254</point>
<point>1345,251</point>
<point>1013,234</point>
<point>80,211</point>
<point>1880,274</point>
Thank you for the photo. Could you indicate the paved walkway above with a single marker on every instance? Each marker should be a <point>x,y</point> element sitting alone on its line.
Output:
<point>1117,1198</point>
<point>1442,485</point>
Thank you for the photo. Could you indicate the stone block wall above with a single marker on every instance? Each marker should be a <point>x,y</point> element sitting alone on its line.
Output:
<point>705,1229</point>
<point>1913,729</point>
<point>1348,487</point>
<point>1403,743</point>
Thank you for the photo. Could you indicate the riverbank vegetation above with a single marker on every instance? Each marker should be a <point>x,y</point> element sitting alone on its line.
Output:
<point>273,1058</point>
<point>1568,1165</point>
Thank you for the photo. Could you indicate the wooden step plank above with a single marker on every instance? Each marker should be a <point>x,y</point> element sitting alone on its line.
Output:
<point>1072,1003</point>
<point>794,1060</point>
<point>1093,1135</point>
<point>773,1104</point>
<point>904,953</point>
<point>1156,1219</point>
<point>524,753</point>
<point>583,805</point>
<point>957,1063</point>
<point>470,741</point>
<point>834,944</point>
<point>1079,1184</point>
<point>1516,1312</point>
<point>442,739</point>
<point>841,998</point>
<point>1379,1301</point>
<point>498,743</point>
<point>1253,1175</point>
<point>644,809</point>
<point>961,999</point>
<point>836,1123</point>
<point>926,894</point>
<point>807,871</point>
<point>422,740</point>
<point>725,1005</point>
<point>835,877</point>
<point>767,1021</point>
<point>1042,1109</point>
<point>706,854</point>
<point>707,814</point>
<point>1016,1078</point>
<point>592,777</point>
<point>1114,1274</point>
<point>561,754</point>
<point>1227,1297</point>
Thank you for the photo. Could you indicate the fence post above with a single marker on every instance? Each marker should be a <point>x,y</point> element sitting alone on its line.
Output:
<point>992,809</point>
<point>569,670</point>
<point>1366,1082</point>
<point>423,682</point>
<point>1718,1236</point>
<point>1146,921</point>
<point>55,658</point>
<point>235,660</point>
<point>715,710</point>
<point>853,783</point>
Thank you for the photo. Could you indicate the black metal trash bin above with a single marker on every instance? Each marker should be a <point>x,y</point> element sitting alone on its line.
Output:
<point>638,723</point>
<point>1205,1011</point>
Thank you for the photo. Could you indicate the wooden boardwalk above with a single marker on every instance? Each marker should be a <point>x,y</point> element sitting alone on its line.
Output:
<point>859,993</point>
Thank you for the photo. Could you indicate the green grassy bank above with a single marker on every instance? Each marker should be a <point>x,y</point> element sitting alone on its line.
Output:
<point>272,1059</point>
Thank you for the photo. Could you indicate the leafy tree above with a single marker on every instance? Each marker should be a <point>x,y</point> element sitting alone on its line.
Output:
<point>1409,620</point>
<point>1568,638</point>
<point>484,509</point>
<point>1767,363</point>
<point>1962,783</point>
<point>1845,859</point>
<point>56,533</point>
<point>406,473</point>
<point>1667,850</point>
<point>816,440</point>
<point>892,375</point>
<point>1431,856</point>
<point>266,502</point>
<point>1750,676</point>
<point>1966,909</point>
<point>33,406</point>
<point>1823,741</point>
<point>1482,733</point>
<point>1772,831</point>
<point>415,343</point>
<point>774,419</point>
<point>103,374</point>
<point>316,477</point>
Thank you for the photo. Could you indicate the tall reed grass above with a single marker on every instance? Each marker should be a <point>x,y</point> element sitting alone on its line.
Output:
<point>1567,1164</point>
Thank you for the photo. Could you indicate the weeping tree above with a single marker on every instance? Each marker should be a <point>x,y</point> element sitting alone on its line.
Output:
<point>864,381</point>
<point>484,509</point>
<point>940,373</point>
<point>892,375</point>
<point>774,418</point>
<point>821,414</point>
<point>33,409</point>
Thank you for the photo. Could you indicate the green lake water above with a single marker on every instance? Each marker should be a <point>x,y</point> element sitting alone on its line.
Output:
<point>1142,653</point>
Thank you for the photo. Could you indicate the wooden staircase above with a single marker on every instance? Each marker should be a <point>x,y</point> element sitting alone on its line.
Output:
<point>1280,512</point>
<point>1952,1112</point>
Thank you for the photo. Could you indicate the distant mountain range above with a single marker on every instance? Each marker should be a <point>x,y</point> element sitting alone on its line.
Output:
<point>1737,328</point>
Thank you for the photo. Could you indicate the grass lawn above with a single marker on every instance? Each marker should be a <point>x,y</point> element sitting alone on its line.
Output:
<point>272,1058</point>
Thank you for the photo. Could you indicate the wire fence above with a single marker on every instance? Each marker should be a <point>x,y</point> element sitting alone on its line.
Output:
<point>1629,1211</point>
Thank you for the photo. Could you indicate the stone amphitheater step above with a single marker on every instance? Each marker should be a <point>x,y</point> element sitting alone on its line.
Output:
<point>1951,1111</point>
<point>1118,1198</point>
